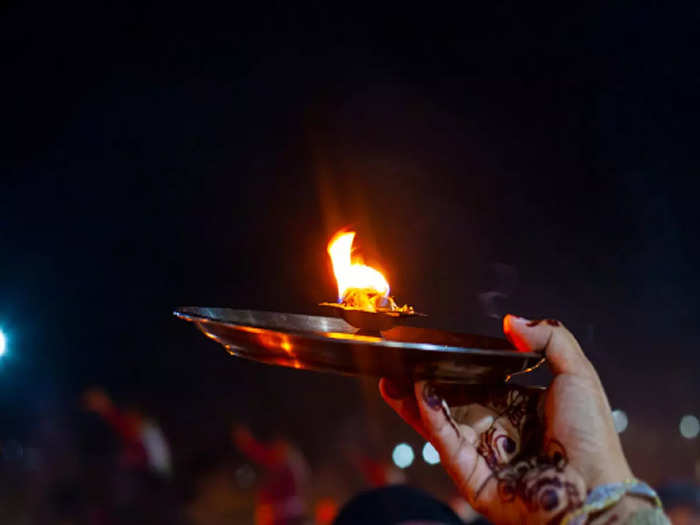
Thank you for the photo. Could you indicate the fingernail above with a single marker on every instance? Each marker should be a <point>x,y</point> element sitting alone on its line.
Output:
<point>514,319</point>
<point>392,390</point>
<point>509,320</point>
<point>513,326</point>
<point>431,397</point>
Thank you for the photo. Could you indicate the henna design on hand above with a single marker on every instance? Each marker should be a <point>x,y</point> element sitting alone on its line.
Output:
<point>540,484</point>
<point>550,322</point>
<point>496,449</point>
<point>519,408</point>
<point>531,471</point>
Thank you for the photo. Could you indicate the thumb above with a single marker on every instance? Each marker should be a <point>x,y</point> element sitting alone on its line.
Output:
<point>559,346</point>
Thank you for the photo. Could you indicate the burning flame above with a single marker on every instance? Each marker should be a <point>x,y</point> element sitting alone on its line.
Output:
<point>351,274</point>
<point>360,287</point>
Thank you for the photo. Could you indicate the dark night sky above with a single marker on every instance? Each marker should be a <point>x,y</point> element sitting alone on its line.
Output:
<point>162,155</point>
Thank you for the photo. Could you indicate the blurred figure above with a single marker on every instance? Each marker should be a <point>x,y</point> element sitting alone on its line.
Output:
<point>143,444</point>
<point>280,498</point>
<point>140,489</point>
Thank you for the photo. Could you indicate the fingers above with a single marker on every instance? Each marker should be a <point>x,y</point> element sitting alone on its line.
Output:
<point>548,335</point>
<point>477,438</point>
<point>403,401</point>
<point>457,444</point>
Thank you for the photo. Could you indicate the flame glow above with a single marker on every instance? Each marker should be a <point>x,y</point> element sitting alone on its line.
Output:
<point>352,274</point>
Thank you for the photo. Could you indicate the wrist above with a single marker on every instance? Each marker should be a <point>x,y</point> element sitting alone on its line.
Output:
<point>615,502</point>
<point>621,512</point>
<point>612,474</point>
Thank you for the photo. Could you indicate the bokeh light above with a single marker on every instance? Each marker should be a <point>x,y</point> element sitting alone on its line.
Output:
<point>689,427</point>
<point>3,343</point>
<point>402,455</point>
<point>430,455</point>
<point>619,420</point>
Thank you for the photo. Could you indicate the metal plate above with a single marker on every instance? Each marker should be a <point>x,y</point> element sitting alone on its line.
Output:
<point>329,344</point>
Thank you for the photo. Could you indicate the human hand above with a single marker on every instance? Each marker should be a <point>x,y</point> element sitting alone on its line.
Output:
<point>522,455</point>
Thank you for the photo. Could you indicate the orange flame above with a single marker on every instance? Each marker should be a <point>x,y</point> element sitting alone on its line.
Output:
<point>349,272</point>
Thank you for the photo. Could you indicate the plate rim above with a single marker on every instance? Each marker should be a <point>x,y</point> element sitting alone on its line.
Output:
<point>380,343</point>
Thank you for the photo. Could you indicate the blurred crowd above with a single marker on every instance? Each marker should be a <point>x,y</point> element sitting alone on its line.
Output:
<point>119,469</point>
<point>113,464</point>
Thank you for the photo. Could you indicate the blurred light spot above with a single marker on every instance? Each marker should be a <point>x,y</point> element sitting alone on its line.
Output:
<point>3,343</point>
<point>402,455</point>
<point>619,420</point>
<point>689,427</point>
<point>430,455</point>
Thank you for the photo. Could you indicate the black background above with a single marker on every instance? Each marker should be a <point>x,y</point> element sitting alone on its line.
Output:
<point>163,154</point>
